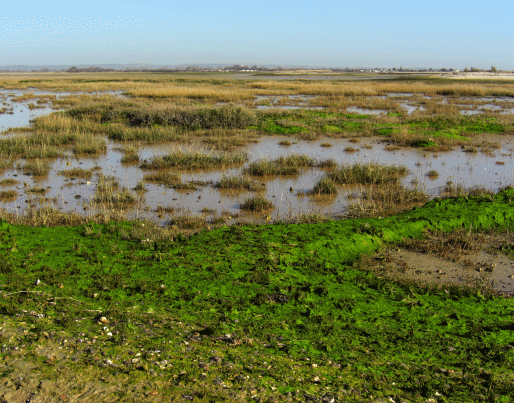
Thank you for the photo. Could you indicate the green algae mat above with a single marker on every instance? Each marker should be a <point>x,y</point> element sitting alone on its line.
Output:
<point>267,313</point>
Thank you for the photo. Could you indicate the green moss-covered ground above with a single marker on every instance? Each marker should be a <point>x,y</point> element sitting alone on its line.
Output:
<point>275,312</point>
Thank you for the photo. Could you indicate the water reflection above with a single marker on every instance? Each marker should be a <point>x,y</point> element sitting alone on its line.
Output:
<point>490,170</point>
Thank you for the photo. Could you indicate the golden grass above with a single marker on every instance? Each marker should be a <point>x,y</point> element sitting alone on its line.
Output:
<point>150,85</point>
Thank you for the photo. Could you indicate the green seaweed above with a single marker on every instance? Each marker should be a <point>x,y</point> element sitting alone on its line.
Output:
<point>292,288</point>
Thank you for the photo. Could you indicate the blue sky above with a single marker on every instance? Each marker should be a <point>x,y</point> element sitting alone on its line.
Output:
<point>345,33</point>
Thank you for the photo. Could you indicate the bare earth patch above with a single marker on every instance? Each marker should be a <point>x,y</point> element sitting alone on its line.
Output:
<point>436,261</point>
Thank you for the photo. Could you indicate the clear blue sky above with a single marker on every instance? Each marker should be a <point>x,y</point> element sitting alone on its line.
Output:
<point>344,33</point>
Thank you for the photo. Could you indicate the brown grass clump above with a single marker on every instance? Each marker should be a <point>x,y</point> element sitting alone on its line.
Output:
<point>37,167</point>
<point>367,174</point>
<point>42,217</point>
<point>36,190</point>
<point>188,222</point>
<point>238,182</point>
<point>78,173</point>
<point>448,245</point>
<point>433,174</point>
<point>90,145</point>
<point>194,160</point>
<point>324,186</point>
<point>7,194</point>
<point>131,155</point>
<point>166,178</point>
<point>108,192</point>
<point>9,182</point>
<point>381,201</point>
<point>257,204</point>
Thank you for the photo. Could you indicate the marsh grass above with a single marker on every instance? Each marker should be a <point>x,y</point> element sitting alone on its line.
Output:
<point>140,187</point>
<point>90,145</point>
<point>226,140</point>
<point>78,173</point>
<point>109,193</point>
<point>147,135</point>
<point>37,167</point>
<point>238,182</point>
<point>9,182</point>
<point>194,160</point>
<point>131,155</point>
<point>452,245</point>
<point>166,178</point>
<point>190,185</point>
<point>264,167</point>
<point>47,216</point>
<point>433,174</point>
<point>452,190</point>
<point>324,186</point>
<point>188,222</point>
<point>36,190</point>
<point>257,204</point>
<point>285,143</point>
<point>385,200</point>
<point>8,194</point>
<point>367,174</point>
<point>151,114</point>
<point>25,97</point>
<point>285,165</point>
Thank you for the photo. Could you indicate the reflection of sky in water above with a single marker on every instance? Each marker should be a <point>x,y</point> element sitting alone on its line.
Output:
<point>457,166</point>
<point>22,114</point>
<point>469,169</point>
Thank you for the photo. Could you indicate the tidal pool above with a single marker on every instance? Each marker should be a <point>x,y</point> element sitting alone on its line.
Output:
<point>492,170</point>
<point>288,193</point>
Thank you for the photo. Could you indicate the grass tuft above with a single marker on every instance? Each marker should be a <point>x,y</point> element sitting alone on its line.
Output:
<point>257,204</point>
<point>325,186</point>
<point>238,182</point>
<point>367,174</point>
<point>7,194</point>
<point>194,160</point>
